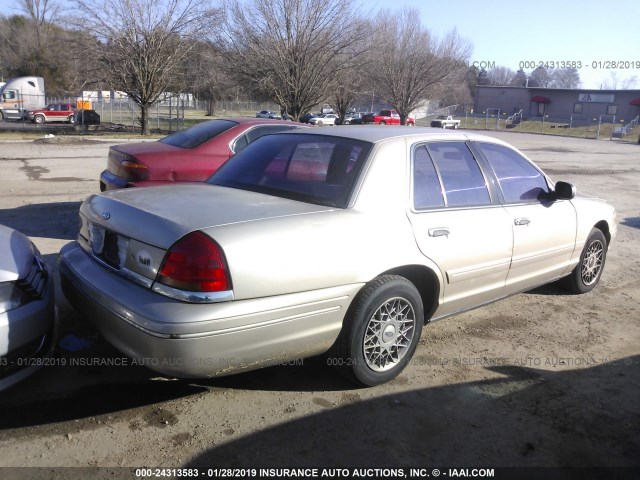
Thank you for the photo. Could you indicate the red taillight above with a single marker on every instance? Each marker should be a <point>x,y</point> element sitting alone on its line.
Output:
<point>195,263</point>
<point>133,171</point>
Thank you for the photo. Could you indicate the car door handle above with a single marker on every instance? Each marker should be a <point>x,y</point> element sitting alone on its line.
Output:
<point>522,221</point>
<point>439,232</point>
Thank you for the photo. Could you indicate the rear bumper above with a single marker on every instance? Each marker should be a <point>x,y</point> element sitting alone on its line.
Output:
<point>109,181</point>
<point>201,340</point>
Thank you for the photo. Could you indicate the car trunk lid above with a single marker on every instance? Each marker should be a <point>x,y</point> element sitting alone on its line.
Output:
<point>131,230</point>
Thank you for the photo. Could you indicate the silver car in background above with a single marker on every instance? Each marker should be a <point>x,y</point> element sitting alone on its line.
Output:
<point>344,242</point>
<point>27,311</point>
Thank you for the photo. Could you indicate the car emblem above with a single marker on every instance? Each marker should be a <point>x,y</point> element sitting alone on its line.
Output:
<point>106,215</point>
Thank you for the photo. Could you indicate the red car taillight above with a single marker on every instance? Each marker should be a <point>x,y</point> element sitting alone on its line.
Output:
<point>195,263</point>
<point>126,166</point>
<point>133,172</point>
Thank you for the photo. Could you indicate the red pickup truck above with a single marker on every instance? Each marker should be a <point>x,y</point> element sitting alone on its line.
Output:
<point>386,117</point>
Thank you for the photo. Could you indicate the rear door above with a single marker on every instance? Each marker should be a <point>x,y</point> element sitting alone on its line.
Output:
<point>459,224</point>
<point>544,229</point>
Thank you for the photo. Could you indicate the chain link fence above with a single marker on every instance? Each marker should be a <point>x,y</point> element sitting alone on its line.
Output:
<point>170,113</point>
<point>599,127</point>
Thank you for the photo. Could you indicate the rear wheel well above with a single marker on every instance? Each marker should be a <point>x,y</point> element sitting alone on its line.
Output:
<point>426,281</point>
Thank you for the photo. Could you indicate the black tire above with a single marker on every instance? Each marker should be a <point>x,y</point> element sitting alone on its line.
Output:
<point>587,273</point>
<point>387,307</point>
<point>382,122</point>
<point>39,119</point>
<point>72,118</point>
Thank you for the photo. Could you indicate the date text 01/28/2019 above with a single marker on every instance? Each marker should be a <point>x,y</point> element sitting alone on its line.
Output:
<point>579,64</point>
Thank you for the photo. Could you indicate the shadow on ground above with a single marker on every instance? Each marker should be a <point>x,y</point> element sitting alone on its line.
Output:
<point>48,220</point>
<point>583,418</point>
<point>631,222</point>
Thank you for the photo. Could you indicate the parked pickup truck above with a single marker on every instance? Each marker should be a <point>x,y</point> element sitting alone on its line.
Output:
<point>386,117</point>
<point>445,121</point>
<point>54,112</point>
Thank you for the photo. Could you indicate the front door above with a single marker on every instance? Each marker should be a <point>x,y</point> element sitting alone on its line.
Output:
<point>457,225</point>
<point>544,229</point>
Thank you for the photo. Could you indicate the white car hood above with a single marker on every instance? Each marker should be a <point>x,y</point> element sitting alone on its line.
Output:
<point>16,254</point>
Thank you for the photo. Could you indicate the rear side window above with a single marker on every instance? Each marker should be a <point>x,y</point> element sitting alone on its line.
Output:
<point>462,179</point>
<point>427,191</point>
<point>198,134</point>
<point>519,180</point>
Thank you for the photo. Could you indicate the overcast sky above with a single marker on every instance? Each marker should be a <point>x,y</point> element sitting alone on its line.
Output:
<point>591,33</point>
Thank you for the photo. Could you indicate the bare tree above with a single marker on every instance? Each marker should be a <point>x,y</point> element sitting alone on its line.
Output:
<point>540,78</point>
<point>203,75</point>
<point>459,87</point>
<point>346,90</point>
<point>43,14</point>
<point>616,83</point>
<point>565,78</point>
<point>629,82</point>
<point>408,62</point>
<point>33,43</point>
<point>500,76</point>
<point>142,43</point>
<point>520,79</point>
<point>290,49</point>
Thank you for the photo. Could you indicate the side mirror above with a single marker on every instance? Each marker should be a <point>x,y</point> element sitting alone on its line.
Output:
<point>565,191</point>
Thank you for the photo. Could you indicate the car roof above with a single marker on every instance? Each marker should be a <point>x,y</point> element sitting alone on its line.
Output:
<point>379,134</point>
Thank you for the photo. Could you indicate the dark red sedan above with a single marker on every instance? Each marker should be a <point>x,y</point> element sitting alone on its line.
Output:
<point>191,155</point>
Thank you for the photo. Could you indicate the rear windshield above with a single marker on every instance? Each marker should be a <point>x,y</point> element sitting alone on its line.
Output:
<point>310,168</point>
<point>198,134</point>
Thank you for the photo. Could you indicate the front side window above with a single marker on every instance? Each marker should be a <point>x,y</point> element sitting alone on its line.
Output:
<point>309,168</point>
<point>462,179</point>
<point>519,180</point>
